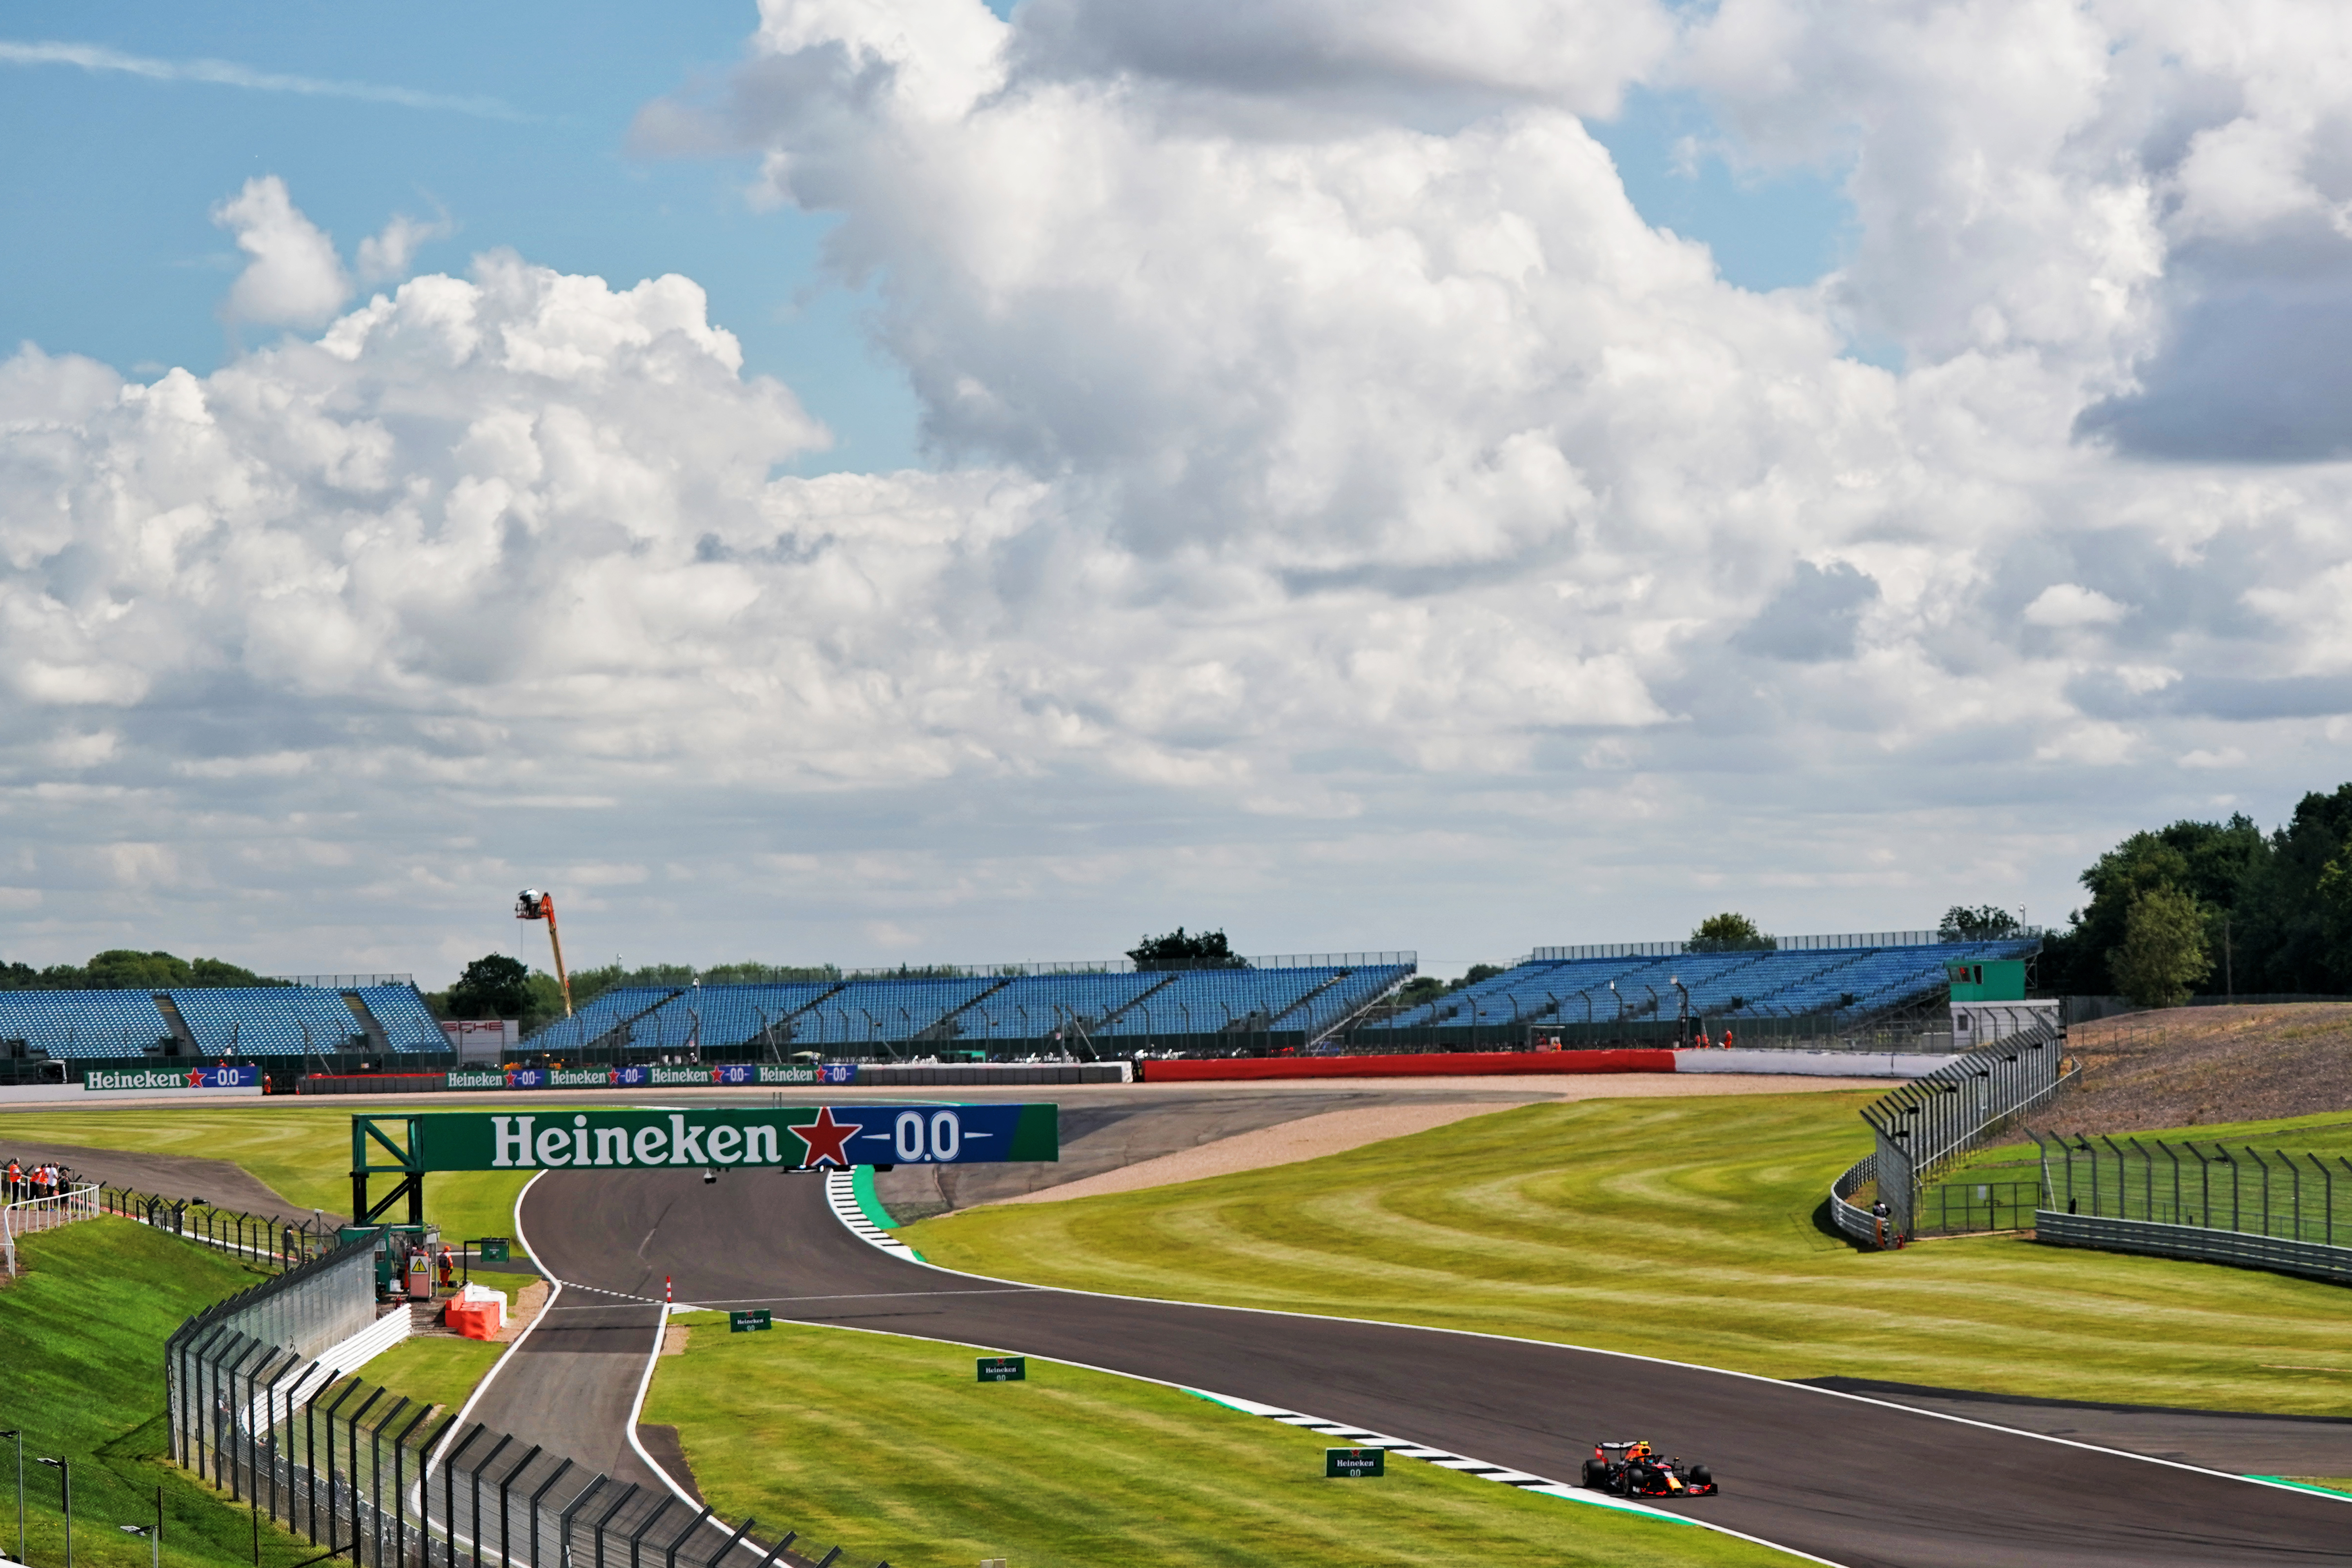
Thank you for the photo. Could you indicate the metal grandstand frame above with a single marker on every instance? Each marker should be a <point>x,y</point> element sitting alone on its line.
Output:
<point>1816,943</point>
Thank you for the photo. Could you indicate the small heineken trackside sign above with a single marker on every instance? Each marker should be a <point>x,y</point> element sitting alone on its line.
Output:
<point>1343,1463</point>
<point>151,1079</point>
<point>753,1322</point>
<point>1004,1369</point>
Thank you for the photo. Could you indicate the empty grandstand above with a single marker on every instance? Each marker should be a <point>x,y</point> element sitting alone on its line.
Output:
<point>361,1018</point>
<point>1107,1008</point>
<point>1818,988</point>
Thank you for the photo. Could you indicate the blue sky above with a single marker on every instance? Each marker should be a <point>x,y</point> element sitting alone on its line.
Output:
<point>1356,529</point>
<point>134,278</point>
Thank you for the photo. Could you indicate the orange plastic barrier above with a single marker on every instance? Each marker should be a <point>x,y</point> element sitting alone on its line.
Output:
<point>1438,1064</point>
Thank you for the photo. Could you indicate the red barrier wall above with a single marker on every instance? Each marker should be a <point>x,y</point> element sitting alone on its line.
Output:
<point>1432,1064</point>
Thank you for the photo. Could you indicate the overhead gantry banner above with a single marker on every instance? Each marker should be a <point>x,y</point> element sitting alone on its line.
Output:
<point>794,1136</point>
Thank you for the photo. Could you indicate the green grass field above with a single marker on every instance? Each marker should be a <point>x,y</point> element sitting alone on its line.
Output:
<point>302,1151</point>
<point>889,1448</point>
<point>1683,1228</point>
<point>438,1370</point>
<point>81,1353</point>
<point>2330,1134</point>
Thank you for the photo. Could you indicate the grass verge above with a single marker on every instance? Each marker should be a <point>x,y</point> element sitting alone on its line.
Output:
<point>1691,1229</point>
<point>81,1360</point>
<point>889,1446</point>
<point>302,1151</point>
<point>438,1370</point>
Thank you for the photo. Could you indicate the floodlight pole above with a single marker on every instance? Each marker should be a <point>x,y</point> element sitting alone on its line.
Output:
<point>18,1434</point>
<point>65,1488</point>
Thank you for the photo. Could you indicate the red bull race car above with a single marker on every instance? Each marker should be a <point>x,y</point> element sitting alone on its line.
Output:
<point>1634,1469</point>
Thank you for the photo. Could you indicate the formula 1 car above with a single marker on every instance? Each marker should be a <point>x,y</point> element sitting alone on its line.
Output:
<point>1634,1469</point>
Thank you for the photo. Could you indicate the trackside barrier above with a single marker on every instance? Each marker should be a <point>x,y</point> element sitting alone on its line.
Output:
<point>1853,1220</point>
<point>257,1238</point>
<point>1424,1063</point>
<point>275,1421</point>
<point>1932,1121</point>
<point>2311,1260</point>
<point>2290,1213</point>
<point>44,1214</point>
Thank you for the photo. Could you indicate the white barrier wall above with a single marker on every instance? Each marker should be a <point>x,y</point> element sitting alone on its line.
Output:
<point>1814,1064</point>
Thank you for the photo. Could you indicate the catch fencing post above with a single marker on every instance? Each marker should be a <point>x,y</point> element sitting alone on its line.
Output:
<point>563,1520</point>
<point>639,1534</point>
<point>449,1494</point>
<point>736,1540</point>
<point>351,1470</point>
<point>488,1460</point>
<point>375,1476</point>
<point>2258,1160</point>
<point>561,1470</point>
<point>310,1450</point>
<point>333,1511</point>
<point>606,1518</point>
<point>506,1510</point>
<point>669,1557</point>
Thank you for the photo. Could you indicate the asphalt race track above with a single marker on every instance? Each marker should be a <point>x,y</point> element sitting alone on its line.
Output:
<point>1855,1482</point>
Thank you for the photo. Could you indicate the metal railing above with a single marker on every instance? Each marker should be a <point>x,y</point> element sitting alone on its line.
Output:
<point>2310,1259</point>
<point>1930,1122</point>
<point>257,1238</point>
<point>27,1216</point>
<point>1779,943</point>
<point>1851,1217</point>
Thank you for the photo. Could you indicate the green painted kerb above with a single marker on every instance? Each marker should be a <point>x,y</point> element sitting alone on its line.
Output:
<point>861,1184</point>
<point>2304,1486</point>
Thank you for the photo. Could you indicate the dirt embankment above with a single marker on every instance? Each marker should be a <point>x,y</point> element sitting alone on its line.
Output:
<point>2185,1067</point>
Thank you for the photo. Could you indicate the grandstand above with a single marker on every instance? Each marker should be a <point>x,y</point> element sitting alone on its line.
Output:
<point>1638,989</point>
<point>371,1013</point>
<point>1103,1008</point>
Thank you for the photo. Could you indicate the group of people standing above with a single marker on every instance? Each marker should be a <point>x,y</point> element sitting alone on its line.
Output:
<point>20,1181</point>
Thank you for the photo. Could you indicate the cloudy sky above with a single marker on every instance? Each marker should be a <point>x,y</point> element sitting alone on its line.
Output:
<point>896,479</point>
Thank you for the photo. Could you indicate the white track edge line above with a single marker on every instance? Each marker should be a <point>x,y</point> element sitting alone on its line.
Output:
<point>1622,1355</point>
<point>555,1289</point>
<point>1557,1489</point>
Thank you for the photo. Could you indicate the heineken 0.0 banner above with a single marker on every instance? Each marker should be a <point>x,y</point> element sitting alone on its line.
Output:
<point>827,1135</point>
<point>730,1073</point>
<point>151,1080</point>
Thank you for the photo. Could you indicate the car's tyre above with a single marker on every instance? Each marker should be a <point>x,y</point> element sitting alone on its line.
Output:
<point>1702,1475</point>
<point>1596,1474</point>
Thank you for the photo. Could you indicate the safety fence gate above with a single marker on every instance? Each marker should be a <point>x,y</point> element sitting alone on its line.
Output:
<point>1924,1126</point>
<point>260,1404</point>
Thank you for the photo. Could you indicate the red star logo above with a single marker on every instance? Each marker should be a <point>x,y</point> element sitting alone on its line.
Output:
<point>826,1138</point>
<point>195,1078</point>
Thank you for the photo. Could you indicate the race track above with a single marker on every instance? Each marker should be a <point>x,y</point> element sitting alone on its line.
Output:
<point>1854,1482</point>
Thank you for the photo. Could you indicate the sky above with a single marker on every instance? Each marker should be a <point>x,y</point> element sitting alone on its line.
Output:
<point>899,480</point>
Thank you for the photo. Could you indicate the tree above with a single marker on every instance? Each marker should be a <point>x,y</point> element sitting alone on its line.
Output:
<point>1730,932</point>
<point>2163,954</point>
<point>1986,922</point>
<point>494,987</point>
<point>1202,949</point>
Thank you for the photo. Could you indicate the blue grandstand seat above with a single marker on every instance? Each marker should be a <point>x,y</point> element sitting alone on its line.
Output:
<point>408,1024</point>
<point>90,1025</point>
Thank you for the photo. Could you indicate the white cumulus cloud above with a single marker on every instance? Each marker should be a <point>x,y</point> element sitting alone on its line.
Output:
<point>295,277</point>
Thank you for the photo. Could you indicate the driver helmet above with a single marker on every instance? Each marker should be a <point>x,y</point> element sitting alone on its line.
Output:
<point>1641,1451</point>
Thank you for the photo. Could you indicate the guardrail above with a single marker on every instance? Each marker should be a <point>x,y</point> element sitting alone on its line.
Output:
<point>1852,1218</point>
<point>2311,1260</point>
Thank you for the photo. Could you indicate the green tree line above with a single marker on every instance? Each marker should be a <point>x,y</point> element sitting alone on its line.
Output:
<point>122,969</point>
<point>2208,907</point>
